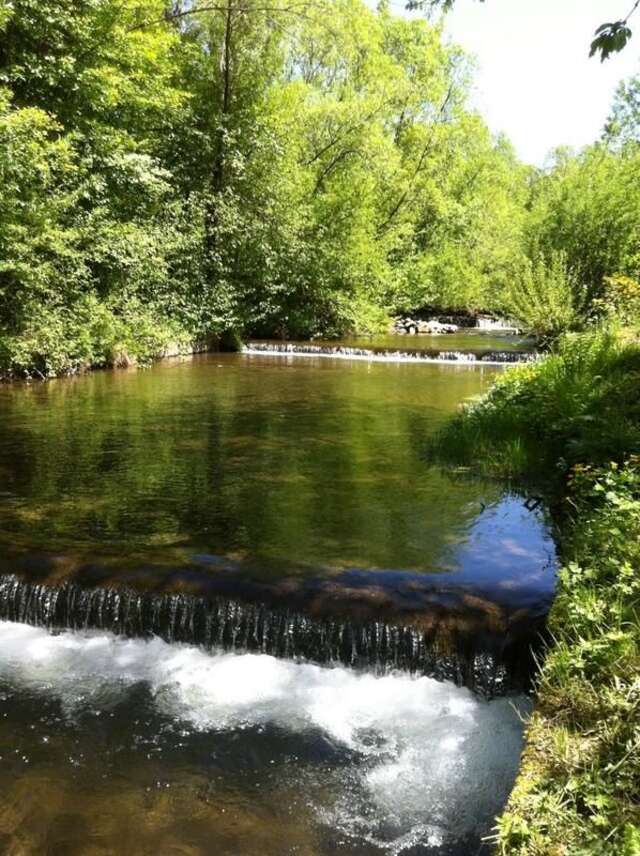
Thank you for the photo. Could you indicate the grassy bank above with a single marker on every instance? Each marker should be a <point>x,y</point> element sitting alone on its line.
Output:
<point>580,404</point>
<point>579,785</point>
<point>572,425</point>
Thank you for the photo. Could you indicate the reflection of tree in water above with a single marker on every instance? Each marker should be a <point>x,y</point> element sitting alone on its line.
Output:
<point>309,463</point>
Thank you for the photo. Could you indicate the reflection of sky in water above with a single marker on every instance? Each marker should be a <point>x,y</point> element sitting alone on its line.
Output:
<point>507,555</point>
<point>508,548</point>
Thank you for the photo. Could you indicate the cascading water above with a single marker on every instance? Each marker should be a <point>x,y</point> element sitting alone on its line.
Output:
<point>119,745</point>
<point>372,355</point>
<point>488,665</point>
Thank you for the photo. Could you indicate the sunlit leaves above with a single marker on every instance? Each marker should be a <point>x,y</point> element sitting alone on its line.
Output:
<point>623,124</point>
<point>583,207</point>
<point>334,175</point>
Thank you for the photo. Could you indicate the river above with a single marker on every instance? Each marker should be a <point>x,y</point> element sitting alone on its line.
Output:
<point>242,613</point>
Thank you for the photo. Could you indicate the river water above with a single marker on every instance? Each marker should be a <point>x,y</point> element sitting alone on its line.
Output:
<point>232,591</point>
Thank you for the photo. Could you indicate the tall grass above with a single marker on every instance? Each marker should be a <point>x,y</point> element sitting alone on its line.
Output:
<point>579,403</point>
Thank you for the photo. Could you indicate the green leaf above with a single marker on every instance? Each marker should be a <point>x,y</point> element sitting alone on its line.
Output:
<point>610,38</point>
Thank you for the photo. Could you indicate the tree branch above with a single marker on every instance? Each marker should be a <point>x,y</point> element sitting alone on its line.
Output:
<point>635,6</point>
<point>425,151</point>
<point>214,7</point>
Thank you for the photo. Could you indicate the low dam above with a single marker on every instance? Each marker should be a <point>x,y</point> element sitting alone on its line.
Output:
<point>426,355</point>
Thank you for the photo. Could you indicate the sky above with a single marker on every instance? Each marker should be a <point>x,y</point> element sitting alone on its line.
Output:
<point>535,80</point>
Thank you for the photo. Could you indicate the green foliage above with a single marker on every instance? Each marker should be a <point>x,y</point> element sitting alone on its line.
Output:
<point>578,404</point>
<point>623,124</point>
<point>610,38</point>
<point>579,786</point>
<point>545,297</point>
<point>583,208</point>
<point>313,180</point>
<point>237,168</point>
<point>620,300</point>
<point>89,334</point>
<point>97,261</point>
<point>362,185</point>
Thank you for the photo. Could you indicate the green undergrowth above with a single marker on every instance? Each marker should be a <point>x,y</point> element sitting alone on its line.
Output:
<point>571,424</point>
<point>580,403</point>
<point>578,791</point>
<point>90,334</point>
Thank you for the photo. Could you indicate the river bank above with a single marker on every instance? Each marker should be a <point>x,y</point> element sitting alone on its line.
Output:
<point>575,416</point>
<point>578,789</point>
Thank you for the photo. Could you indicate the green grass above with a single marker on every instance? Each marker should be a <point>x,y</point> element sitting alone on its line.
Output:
<point>578,790</point>
<point>580,403</point>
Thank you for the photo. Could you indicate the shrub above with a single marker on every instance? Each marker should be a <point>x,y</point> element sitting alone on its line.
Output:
<point>545,297</point>
<point>89,334</point>
<point>580,403</point>
<point>620,300</point>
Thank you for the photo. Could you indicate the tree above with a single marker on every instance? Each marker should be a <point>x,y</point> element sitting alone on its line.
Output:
<point>90,225</point>
<point>583,207</point>
<point>173,171</point>
<point>623,124</point>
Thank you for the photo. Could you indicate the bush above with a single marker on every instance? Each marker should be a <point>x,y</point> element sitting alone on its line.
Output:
<point>620,300</point>
<point>89,334</point>
<point>546,298</point>
<point>580,403</point>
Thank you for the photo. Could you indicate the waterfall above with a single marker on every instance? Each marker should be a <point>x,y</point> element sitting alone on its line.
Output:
<point>489,666</point>
<point>373,355</point>
<point>503,325</point>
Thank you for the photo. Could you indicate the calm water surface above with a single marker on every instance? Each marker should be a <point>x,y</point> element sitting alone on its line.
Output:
<point>294,465</point>
<point>250,469</point>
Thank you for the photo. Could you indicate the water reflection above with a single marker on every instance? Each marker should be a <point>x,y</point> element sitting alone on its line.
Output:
<point>315,463</point>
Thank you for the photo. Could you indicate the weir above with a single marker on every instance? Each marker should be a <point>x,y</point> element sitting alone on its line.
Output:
<point>383,355</point>
<point>490,662</point>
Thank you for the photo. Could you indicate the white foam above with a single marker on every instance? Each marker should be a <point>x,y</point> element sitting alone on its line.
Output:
<point>459,359</point>
<point>435,761</point>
